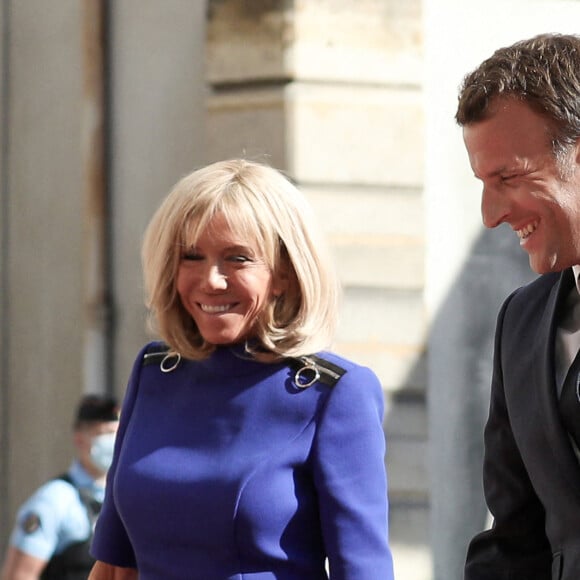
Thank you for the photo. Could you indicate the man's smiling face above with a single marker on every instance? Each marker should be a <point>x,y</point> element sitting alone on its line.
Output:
<point>525,186</point>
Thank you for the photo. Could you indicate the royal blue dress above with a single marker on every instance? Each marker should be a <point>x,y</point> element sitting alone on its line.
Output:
<point>225,470</point>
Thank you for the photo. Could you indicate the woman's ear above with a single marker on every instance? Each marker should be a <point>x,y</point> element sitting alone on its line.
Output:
<point>281,278</point>
<point>279,284</point>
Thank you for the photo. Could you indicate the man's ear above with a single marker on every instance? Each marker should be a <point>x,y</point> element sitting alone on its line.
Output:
<point>577,152</point>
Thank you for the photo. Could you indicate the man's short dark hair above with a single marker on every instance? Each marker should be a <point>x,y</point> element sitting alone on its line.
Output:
<point>96,409</point>
<point>543,72</point>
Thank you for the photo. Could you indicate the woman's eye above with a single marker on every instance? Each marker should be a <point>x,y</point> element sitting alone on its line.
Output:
<point>240,258</point>
<point>191,256</point>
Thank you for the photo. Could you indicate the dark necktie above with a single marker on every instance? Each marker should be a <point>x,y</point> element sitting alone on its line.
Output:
<point>568,355</point>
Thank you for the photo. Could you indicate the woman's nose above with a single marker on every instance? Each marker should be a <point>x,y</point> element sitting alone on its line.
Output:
<point>215,278</point>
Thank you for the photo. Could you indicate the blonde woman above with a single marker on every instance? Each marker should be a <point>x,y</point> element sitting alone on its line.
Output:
<point>246,450</point>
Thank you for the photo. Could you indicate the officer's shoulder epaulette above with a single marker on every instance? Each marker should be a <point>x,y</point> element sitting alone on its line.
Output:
<point>313,368</point>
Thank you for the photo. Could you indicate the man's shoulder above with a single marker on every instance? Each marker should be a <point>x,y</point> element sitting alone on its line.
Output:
<point>538,289</point>
<point>526,307</point>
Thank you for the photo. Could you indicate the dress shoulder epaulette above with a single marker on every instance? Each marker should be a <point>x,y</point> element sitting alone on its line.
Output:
<point>313,368</point>
<point>308,369</point>
<point>155,353</point>
<point>161,354</point>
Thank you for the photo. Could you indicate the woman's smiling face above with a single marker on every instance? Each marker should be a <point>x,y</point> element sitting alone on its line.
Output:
<point>224,283</point>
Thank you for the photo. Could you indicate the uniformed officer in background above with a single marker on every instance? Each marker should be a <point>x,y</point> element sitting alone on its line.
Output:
<point>55,525</point>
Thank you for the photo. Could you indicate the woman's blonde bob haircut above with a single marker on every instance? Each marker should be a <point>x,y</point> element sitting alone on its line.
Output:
<point>267,210</point>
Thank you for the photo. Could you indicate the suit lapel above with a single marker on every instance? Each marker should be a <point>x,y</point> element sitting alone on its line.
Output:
<point>545,373</point>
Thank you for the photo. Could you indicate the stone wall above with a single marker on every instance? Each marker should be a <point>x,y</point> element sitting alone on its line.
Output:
<point>331,92</point>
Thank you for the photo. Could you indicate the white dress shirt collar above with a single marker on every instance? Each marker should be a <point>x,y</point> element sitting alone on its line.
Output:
<point>576,270</point>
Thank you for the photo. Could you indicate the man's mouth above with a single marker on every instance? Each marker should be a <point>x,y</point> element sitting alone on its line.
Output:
<point>526,231</point>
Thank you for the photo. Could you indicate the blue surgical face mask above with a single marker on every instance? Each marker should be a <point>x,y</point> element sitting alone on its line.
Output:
<point>102,451</point>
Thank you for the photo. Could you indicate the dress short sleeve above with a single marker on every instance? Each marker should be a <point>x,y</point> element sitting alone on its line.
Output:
<point>351,481</point>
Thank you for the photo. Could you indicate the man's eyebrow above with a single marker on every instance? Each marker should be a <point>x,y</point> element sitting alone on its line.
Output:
<point>499,171</point>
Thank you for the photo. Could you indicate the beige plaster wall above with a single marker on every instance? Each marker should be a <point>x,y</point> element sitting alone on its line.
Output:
<point>156,88</point>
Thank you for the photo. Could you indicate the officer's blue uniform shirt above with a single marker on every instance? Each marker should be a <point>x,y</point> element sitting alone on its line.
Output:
<point>54,517</point>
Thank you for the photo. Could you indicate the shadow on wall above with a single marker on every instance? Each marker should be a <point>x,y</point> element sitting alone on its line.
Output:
<point>435,422</point>
<point>460,361</point>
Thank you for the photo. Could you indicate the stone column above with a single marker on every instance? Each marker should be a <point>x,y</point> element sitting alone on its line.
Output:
<point>157,79</point>
<point>41,244</point>
<point>330,91</point>
<point>156,91</point>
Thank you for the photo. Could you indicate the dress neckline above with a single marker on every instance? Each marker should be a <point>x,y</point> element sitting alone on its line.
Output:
<point>233,359</point>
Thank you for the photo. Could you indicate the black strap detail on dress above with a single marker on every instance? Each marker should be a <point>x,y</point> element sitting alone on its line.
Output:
<point>155,353</point>
<point>162,355</point>
<point>323,371</point>
<point>329,373</point>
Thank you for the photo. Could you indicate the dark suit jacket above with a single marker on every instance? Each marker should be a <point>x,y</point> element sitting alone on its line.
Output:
<point>531,474</point>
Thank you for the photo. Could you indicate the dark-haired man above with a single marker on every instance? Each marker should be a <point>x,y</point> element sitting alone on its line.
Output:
<point>520,113</point>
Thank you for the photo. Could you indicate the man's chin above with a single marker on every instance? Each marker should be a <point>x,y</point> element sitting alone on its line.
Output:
<point>543,266</point>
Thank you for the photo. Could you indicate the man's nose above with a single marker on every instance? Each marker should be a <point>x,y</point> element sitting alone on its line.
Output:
<point>494,207</point>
